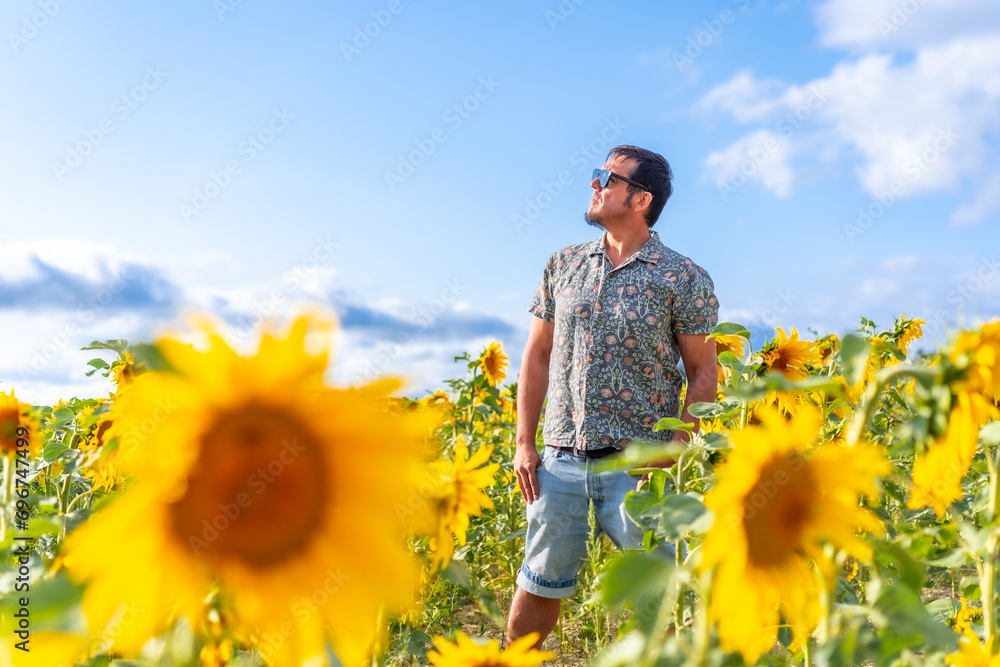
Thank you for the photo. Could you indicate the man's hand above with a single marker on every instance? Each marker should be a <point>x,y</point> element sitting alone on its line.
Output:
<point>526,462</point>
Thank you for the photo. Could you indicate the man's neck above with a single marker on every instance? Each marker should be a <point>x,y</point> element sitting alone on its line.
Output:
<point>622,243</point>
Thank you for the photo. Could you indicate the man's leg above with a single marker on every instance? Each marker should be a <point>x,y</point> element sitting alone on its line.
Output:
<point>531,613</point>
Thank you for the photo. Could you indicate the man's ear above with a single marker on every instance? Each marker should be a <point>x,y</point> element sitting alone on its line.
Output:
<point>643,201</point>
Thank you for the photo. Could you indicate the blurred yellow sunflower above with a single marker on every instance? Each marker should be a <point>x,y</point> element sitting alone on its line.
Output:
<point>938,472</point>
<point>790,356</point>
<point>460,496</point>
<point>979,353</point>
<point>253,475</point>
<point>777,500</point>
<point>729,343</point>
<point>467,653</point>
<point>972,653</point>
<point>17,421</point>
<point>493,362</point>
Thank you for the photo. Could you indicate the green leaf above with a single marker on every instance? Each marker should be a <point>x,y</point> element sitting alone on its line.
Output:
<point>633,574</point>
<point>706,410</point>
<point>150,358</point>
<point>852,357</point>
<point>729,329</point>
<point>60,417</point>
<point>715,441</point>
<point>678,513</point>
<point>990,434</point>
<point>98,364</point>
<point>906,617</point>
<point>487,602</point>
<point>119,345</point>
<point>911,572</point>
<point>674,423</point>
<point>458,573</point>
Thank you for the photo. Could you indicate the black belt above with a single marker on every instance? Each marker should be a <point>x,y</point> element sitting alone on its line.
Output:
<point>588,453</point>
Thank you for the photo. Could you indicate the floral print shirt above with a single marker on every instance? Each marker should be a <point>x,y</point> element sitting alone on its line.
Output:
<point>613,371</point>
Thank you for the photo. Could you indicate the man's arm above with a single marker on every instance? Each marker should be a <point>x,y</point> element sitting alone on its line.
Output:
<point>701,365</point>
<point>532,384</point>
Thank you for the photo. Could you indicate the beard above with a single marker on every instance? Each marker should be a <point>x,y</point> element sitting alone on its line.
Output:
<point>592,220</point>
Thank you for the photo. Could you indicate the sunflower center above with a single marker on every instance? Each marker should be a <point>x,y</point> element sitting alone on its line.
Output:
<point>258,491</point>
<point>777,509</point>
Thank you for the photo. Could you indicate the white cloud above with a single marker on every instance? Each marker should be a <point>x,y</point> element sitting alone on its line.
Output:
<point>924,126</point>
<point>867,24</point>
<point>761,156</point>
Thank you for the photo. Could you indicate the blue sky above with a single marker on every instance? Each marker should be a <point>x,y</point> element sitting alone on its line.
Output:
<point>411,165</point>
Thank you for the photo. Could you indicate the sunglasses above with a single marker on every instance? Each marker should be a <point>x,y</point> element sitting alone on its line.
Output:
<point>604,176</point>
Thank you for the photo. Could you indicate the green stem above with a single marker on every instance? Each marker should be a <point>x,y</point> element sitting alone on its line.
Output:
<point>8,471</point>
<point>679,551</point>
<point>870,401</point>
<point>988,571</point>
<point>807,653</point>
<point>702,625</point>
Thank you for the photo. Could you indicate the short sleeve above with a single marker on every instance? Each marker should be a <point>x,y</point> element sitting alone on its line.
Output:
<point>543,305</point>
<point>696,308</point>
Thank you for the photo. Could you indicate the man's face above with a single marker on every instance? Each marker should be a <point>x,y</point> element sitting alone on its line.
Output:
<point>608,203</point>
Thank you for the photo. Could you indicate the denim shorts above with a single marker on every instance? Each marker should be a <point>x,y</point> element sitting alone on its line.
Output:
<point>555,546</point>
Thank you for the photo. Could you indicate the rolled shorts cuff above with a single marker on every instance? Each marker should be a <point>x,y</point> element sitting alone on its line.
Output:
<point>544,588</point>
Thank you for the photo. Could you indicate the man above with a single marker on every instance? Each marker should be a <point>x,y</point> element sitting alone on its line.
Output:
<point>612,318</point>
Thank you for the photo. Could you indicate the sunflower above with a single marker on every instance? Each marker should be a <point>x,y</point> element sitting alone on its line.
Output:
<point>972,653</point>
<point>461,496</point>
<point>17,422</point>
<point>729,343</point>
<point>467,653</point>
<point>252,475</point>
<point>126,370</point>
<point>790,356</point>
<point>979,353</point>
<point>938,472</point>
<point>911,331</point>
<point>494,363</point>
<point>827,346</point>
<point>101,465</point>
<point>777,500</point>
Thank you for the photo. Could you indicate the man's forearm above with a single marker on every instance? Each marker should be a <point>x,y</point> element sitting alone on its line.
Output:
<point>701,389</point>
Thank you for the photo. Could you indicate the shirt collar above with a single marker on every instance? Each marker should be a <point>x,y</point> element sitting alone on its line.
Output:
<point>650,252</point>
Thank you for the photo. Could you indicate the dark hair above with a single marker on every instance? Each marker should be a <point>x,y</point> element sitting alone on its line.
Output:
<point>653,171</point>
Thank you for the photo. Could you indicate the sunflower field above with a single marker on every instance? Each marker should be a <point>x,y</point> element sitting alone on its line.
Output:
<point>838,505</point>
